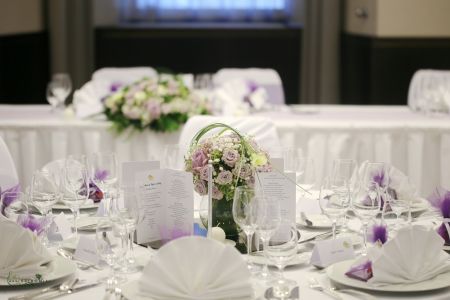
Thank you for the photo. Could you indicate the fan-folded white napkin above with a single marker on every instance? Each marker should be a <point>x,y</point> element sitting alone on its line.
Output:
<point>196,268</point>
<point>414,255</point>
<point>22,254</point>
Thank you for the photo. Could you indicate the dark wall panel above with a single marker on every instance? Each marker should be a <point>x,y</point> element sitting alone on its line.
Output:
<point>378,71</point>
<point>24,68</point>
<point>204,50</point>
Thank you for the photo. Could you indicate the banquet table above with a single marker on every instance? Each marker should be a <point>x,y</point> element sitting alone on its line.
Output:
<point>417,144</point>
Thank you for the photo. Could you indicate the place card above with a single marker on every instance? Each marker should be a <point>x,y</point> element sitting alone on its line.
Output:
<point>62,227</point>
<point>86,251</point>
<point>328,252</point>
<point>167,198</point>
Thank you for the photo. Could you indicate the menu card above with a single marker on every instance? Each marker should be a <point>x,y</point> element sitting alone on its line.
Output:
<point>167,198</point>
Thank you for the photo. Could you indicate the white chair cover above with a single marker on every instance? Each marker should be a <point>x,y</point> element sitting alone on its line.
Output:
<point>429,91</point>
<point>269,79</point>
<point>87,100</point>
<point>8,173</point>
<point>262,129</point>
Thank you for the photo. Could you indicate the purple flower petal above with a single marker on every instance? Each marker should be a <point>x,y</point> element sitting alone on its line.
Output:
<point>361,272</point>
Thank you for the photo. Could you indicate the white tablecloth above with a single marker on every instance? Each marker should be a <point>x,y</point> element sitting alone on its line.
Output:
<point>416,144</point>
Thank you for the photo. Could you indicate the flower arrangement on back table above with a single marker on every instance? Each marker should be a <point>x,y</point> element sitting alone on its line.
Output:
<point>162,104</point>
<point>235,159</point>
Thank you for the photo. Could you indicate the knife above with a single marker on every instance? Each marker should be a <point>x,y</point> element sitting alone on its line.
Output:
<point>322,235</point>
<point>70,291</point>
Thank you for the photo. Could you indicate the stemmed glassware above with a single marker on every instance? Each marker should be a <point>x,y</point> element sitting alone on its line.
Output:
<point>58,89</point>
<point>333,202</point>
<point>281,249</point>
<point>305,173</point>
<point>244,214</point>
<point>109,245</point>
<point>103,169</point>
<point>398,207</point>
<point>44,193</point>
<point>268,220</point>
<point>75,188</point>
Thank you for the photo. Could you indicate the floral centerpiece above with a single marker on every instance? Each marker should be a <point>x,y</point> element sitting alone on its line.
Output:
<point>235,159</point>
<point>162,104</point>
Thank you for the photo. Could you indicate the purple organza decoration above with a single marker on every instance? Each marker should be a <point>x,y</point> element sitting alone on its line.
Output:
<point>8,199</point>
<point>361,272</point>
<point>440,199</point>
<point>101,174</point>
<point>168,235</point>
<point>115,86</point>
<point>36,225</point>
<point>95,193</point>
<point>379,234</point>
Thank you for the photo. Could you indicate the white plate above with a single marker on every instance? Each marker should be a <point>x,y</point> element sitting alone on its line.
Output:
<point>337,274</point>
<point>130,291</point>
<point>61,268</point>
<point>302,258</point>
<point>62,206</point>
<point>87,223</point>
<point>319,221</point>
<point>420,206</point>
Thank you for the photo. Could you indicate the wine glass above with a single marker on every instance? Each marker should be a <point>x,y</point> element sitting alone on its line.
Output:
<point>13,204</point>
<point>75,188</point>
<point>103,169</point>
<point>58,89</point>
<point>305,173</point>
<point>244,214</point>
<point>173,157</point>
<point>268,220</point>
<point>44,193</point>
<point>398,207</point>
<point>281,249</point>
<point>334,203</point>
<point>342,180</point>
<point>108,241</point>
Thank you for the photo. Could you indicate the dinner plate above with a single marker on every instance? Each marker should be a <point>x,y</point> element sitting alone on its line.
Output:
<point>130,291</point>
<point>62,268</point>
<point>337,271</point>
<point>260,259</point>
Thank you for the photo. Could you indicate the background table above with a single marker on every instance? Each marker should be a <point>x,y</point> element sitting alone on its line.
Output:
<point>418,145</point>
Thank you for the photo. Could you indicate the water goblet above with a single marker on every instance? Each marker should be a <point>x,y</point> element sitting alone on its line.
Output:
<point>281,249</point>
<point>305,173</point>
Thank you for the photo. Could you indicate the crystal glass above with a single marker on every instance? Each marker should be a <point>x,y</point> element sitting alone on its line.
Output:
<point>58,89</point>
<point>398,207</point>
<point>109,245</point>
<point>305,173</point>
<point>75,188</point>
<point>13,204</point>
<point>268,220</point>
<point>103,171</point>
<point>44,193</point>
<point>244,214</point>
<point>282,248</point>
<point>285,153</point>
<point>333,202</point>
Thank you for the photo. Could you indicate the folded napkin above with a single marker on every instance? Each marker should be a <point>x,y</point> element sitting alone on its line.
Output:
<point>22,255</point>
<point>196,268</point>
<point>414,255</point>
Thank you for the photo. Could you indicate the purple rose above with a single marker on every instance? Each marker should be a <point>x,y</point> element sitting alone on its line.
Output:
<point>230,157</point>
<point>199,159</point>
<point>154,109</point>
<point>216,193</point>
<point>224,177</point>
<point>204,173</point>
<point>244,172</point>
<point>200,187</point>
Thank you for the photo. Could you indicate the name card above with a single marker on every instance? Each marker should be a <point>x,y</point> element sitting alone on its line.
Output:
<point>62,227</point>
<point>86,251</point>
<point>167,199</point>
<point>328,252</point>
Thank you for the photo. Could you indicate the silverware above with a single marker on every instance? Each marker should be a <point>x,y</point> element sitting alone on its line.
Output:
<point>81,264</point>
<point>294,294</point>
<point>314,284</point>
<point>322,236</point>
<point>51,288</point>
<point>72,290</point>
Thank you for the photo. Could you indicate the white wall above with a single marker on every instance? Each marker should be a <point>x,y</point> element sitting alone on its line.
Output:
<point>21,16</point>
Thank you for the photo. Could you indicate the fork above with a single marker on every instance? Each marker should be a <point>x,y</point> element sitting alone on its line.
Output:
<point>334,292</point>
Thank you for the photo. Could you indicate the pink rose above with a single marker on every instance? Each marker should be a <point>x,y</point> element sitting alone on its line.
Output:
<point>154,109</point>
<point>230,157</point>
<point>200,187</point>
<point>204,173</point>
<point>199,160</point>
<point>224,177</point>
<point>245,171</point>
<point>216,193</point>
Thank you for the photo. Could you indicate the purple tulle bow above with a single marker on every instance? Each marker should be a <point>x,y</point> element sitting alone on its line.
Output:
<point>101,175</point>
<point>378,234</point>
<point>95,193</point>
<point>8,196</point>
<point>440,199</point>
<point>168,235</point>
<point>34,224</point>
<point>361,272</point>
